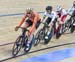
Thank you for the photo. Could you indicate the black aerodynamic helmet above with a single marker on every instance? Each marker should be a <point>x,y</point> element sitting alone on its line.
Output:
<point>49,8</point>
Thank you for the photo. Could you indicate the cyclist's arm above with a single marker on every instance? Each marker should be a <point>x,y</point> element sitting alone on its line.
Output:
<point>54,16</point>
<point>53,19</point>
<point>43,19</point>
<point>22,20</point>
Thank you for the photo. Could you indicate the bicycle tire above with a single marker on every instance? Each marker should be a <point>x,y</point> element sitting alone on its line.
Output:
<point>58,34</point>
<point>17,46</point>
<point>49,37</point>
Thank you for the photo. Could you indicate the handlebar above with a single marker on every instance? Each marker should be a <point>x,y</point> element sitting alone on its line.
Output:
<point>24,28</point>
<point>45,24</point>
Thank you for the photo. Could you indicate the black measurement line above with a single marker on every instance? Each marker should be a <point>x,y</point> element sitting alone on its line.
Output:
<point>38,51</point>
<point>7,44</point>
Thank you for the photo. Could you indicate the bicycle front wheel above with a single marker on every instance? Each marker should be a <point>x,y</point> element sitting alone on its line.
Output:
<point>17,46</point>
<point>38,37</point>
<point>72,29</point>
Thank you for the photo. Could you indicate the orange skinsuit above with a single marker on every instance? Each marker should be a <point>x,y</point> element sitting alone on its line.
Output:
<point>34,19</point>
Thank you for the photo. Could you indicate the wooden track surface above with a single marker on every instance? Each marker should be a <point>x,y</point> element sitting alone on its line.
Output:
<point>7,24</point>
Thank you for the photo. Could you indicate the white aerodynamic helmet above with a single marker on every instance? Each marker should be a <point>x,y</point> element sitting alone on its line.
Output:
<point>29,10</point>
<point>58,8</point>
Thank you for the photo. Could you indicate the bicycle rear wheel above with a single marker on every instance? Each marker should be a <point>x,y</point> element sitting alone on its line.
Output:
<point>58,34</point>
<point>17,46</point>
<point>30,44</point>
<point>49,36</point>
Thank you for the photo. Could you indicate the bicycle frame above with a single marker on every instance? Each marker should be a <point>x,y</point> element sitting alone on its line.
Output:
<point>19,43</point>
<point>23,35</point>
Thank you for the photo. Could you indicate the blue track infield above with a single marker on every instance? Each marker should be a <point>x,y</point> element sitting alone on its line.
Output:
<point>53,56</point>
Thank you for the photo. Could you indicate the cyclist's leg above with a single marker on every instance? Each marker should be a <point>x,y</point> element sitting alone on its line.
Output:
<point>54,25</point>
<point>41,26</point>
<point>38,23</point>
<point>38,27</point>
<point>31,37</point>
<point>63,20</point>
<point>27,24</point>
<point>28,21</point>
<point>49,33</point>
<point>48,20</point>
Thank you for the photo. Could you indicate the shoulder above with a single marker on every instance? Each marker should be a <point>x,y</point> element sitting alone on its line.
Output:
<point>53,13</point>
<point>35,13</point>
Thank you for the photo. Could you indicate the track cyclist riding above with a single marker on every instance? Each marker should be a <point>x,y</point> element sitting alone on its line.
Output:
<point>62,14</point>
<point>51,19</point>
<point>30,19</point>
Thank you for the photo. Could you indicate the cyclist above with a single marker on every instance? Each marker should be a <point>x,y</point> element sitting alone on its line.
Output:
<point>70,11</point>
<point>62,14</point>
<point>30,18</point>
<point>51,17</point>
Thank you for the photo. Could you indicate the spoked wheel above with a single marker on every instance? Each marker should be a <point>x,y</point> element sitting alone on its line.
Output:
<point>38,37</point>
<point>17,46</point>
<point>65,27</point>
